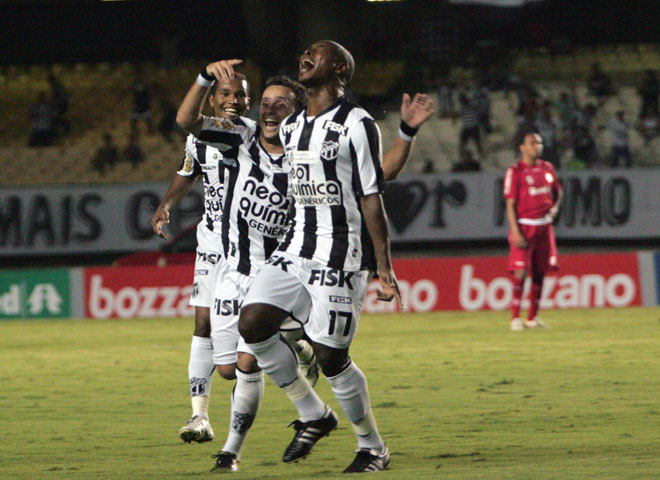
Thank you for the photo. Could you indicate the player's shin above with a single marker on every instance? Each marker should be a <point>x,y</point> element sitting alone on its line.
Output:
<point>517,296</point>
<point>350,389</point>
<point>535,296</point>
<point>200,374</point>
<point>245,401</point>
<point>279,361</point>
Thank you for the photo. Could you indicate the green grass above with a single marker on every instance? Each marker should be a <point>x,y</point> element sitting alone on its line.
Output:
<point>456,395</point>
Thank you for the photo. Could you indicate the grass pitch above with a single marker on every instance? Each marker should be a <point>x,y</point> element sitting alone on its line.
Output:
<point>456,396</point>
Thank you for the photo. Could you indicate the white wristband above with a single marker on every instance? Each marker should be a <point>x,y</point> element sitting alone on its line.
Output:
<point>407,138</point>
<point>202,82</point>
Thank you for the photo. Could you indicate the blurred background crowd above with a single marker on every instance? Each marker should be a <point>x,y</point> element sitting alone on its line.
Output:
<point>92,97</point>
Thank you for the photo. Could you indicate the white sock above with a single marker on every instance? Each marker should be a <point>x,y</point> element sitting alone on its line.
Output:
<point>277,358</point>
<point>350,388</point>
<point>200,372</point>
<point>245,400</point>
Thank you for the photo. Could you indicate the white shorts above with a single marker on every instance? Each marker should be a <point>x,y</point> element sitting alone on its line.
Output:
<point>230,289</point>
<point>208,258</point>
<point>336,296</point>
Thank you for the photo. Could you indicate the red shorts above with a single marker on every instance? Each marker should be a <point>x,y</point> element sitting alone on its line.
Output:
<point>540,256</point>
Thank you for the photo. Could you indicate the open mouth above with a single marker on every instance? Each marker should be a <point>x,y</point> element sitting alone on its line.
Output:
<point>306,64</point>
<point>270,123</point>
<point>231,111</point>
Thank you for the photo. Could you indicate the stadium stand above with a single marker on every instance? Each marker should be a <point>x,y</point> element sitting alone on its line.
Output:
<point>100,98</point>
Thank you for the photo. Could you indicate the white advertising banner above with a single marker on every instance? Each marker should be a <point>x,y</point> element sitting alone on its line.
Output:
<point>598,204</point>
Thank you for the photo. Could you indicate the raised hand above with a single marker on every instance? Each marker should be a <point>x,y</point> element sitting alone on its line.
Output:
<point>223,70</point>
<point>417,110</point>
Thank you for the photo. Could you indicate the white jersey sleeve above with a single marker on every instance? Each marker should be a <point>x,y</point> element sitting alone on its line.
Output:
<point>190,166</point>
<point>365,145</point>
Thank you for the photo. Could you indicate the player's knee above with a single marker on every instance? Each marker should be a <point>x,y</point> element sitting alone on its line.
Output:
<point>228,372</point>
<point>332,360</point>
<point>257,322</point>
<point>202,322</point>
<point>247,363</point>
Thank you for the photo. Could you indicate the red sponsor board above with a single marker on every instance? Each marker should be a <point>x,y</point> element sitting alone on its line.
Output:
<point>481,283</point>
<point>138,291</point>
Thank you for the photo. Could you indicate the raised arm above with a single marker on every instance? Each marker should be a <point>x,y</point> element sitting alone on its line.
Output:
<point>414,113</point>
<point>189,115</point>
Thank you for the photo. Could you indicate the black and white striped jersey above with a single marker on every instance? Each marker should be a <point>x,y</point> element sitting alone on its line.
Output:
<point>256,200</point>
<point>201,158</point>
<point>335,159</point>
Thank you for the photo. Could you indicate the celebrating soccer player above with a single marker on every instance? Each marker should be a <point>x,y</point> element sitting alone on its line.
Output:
<point>229,100</point>
<point>533,194</point>
<point>336,178</point>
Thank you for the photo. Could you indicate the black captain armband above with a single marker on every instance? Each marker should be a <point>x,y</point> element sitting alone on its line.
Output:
<point>407,132</point>
<point>204,79</point>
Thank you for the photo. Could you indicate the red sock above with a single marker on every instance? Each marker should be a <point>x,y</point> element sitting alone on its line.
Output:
<point>517,297</point>
<point>535,296</point>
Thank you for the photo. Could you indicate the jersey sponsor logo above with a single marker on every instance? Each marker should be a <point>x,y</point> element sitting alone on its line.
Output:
<point>302,157</point>
<point>227,307</point>
<point>335,127</point>
<point>309,193</point>
<point>286,129</point>
<point>279,261</point>
<point>222,123</point>
<point>339,299</point>
<point>208,168</point>
<point>211,258</point>
<point>539,190</point>
<point>264,209</point>
<point>201,272</point>
<point>529,179</point>
<point>331,278</point>
<point>329,150</point>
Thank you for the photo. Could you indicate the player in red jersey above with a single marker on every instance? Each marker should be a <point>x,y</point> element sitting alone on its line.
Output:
<point>532,193</point>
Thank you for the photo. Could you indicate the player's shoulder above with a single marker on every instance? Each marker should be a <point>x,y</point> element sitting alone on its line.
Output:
<point>546,165</point>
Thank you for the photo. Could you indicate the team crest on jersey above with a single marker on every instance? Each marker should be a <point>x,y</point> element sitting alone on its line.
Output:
<point>329,150</point>
<point>222,123</point>
<point>188,164</point>
<point>548,177</point>
<point>335,127</point>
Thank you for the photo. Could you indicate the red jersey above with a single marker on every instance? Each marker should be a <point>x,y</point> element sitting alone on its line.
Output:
<point>535,188</point>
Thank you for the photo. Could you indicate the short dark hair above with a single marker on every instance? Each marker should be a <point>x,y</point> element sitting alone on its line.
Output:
<point>214,86</point>
<point>345,56</point>
<point>522,134</point>
<point>298,90</point>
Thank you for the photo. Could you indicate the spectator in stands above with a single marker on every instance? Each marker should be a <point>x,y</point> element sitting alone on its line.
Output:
<point>567,108</point>
<point>466,164</point>
<point>446,91</point>
<point>167,124</point>
<point>649,91</point>
<point>133,154</point>
<point>106,156</point>
<point>429,166</point>
<point>618,128</point>
<point>599,84</point>
<point>470,128</point>
<point>584,148</point>
<point>42,113</point>
<point>60,100</point>
<point>649,126</point>
<point>141,102</point>
<point>481,97</point>
<point>546,125</point>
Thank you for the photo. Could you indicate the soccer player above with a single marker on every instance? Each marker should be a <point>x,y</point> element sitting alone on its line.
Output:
<point>336,179</point>
<point>229,100</point>
<point>533,194</point>
<point>254,216</point>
